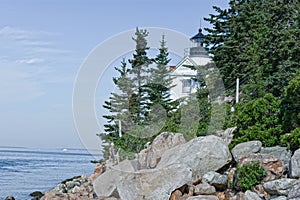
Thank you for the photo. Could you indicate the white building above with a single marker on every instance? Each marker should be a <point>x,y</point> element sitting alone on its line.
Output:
<point>196,55</point>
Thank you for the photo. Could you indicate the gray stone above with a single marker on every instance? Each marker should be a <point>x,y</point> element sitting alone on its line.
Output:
<point>106,184</point>
<point>246,148</point>
<point>179,165</point>
<point>142,158</point>
<point>238,196</point>
<point>70,185</point>
<point>215,179</point>
<point>294,193</point>
<point>203,197</point>
<point>295,165</point>
<point>202,154</point>
<point>160,144</point>
<point>76,189</point>
<point>204,189</point>
<point>227,135</point>
<point>251,196</point>
<point>61,188</point>
<point>158,184</point>
<point>279,187</point>
<point>282,153</point>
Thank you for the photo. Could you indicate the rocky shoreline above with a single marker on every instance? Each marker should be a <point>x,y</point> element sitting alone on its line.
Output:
<point>201,169</point>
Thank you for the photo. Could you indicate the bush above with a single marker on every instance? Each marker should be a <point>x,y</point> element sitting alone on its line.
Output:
<point>292,140</point>
<point>258,119</point>
<point>248,176</point>
<point>291,106</point>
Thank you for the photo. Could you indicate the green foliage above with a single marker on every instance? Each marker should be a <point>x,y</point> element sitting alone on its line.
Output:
<point>291,105</point>
<point>160,81</point>
<point>257,120</point>
<point>119,102</point>
<point>291,140</point>
<point>130,142</point>
<point>248,176</point>
<point>143,103</point>
<point>256,41</point>
<point>139,69</point>
<point>194,116</point>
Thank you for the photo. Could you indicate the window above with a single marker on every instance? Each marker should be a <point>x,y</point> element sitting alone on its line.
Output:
<point>186,85</point>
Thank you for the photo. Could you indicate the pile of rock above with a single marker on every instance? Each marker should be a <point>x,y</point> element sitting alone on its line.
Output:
<point>202,168</point>
<point>78,187</point>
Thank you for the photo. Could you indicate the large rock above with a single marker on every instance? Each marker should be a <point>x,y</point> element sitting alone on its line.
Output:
<point>282,153</point>
<point>106,184</point>
<point>215,179</point>
<point>179,165</point>
<point>160,144</point>
<point>251,196</point>
<point>294,193</point>
<point>155,184</point>
<point>204,189</point>
<point>279,187</point>
<point>272,164</point>
<point>295,165</point>
<point>246,148</point>
<point>202,154</point>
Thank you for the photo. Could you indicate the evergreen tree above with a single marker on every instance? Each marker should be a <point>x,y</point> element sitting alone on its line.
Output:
<point>139,74</point>
<point>118,103</point>
<point>256,41</point>
<point>206,115</point>
<point>160,83</point>
<point>291,105</point>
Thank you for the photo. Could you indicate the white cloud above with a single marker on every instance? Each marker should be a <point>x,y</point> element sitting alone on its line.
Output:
<point>29,62</point>
<point>50,50</point>
<point>29,41</point>
<point>21,34</point>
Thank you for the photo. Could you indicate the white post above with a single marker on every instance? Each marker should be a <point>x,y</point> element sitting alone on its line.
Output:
<point>120,129</point>
<point>237,90</point>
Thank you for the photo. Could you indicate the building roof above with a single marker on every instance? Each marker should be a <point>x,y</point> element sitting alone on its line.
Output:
<point>199,35</point>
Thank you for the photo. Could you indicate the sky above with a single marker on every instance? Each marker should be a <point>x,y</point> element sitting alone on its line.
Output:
<point>43,44</point>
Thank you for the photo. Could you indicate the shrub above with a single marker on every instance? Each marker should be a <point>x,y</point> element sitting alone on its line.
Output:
<point>291,106</point>
<point>292,140</point>
<point>258,120</point>
<point>248,176</point>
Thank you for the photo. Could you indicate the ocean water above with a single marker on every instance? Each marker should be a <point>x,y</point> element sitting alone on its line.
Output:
<point>25,170</point>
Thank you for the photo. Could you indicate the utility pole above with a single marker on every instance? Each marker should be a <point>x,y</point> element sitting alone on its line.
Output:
<point>120,128</point>
<point>237,90</point>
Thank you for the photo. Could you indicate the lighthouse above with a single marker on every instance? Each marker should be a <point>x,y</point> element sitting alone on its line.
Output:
<point>195,55</point>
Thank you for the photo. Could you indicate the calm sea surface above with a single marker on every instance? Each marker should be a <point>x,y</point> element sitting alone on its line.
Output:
<point>24,170</point>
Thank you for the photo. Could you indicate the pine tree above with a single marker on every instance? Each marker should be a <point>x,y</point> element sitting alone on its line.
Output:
<point>160,82</point>
<point>118,103</point>
<point>139,74</point>
<point>257,42</point>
